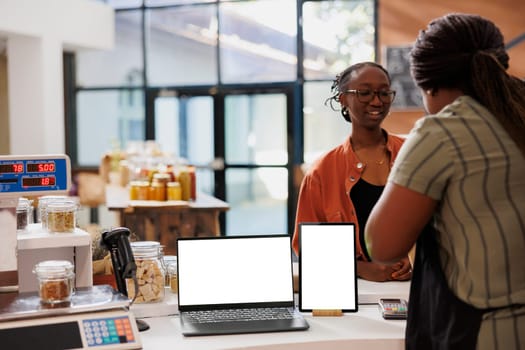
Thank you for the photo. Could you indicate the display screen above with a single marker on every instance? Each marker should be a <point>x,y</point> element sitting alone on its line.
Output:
<point>38,181</point>
<point>43,167</point>
<point>11,168</point>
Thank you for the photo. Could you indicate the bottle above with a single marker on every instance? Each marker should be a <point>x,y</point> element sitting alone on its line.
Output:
<point>193,183</point>
<point>55,279</point>
<point>150,274</point>
<point>185,184</point>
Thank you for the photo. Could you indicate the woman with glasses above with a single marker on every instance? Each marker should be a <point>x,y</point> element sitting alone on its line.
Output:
<point>458,188</point>
<point>346,182</point>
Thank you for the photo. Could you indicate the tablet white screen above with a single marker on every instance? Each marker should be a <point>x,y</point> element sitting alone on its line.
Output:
<point>327,271</point>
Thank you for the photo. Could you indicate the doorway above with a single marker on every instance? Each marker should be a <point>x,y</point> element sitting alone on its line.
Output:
<point>240,142</point>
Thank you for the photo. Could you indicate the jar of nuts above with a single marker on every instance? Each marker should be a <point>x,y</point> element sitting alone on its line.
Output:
<point>61,216</point>
<point>150,273</point>
<point>55,279</point>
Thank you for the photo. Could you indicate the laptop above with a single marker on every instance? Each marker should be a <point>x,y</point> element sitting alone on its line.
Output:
<point>223,281</point>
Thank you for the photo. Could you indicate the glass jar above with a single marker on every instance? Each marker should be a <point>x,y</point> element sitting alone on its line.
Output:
<point>60,216</point>
<point>172,276</point>
<point>150,274</point>
<point>45,200</point>
<point>55,280</point>
<point>174,191</point>
<point>139,190</point>
<point>24,213</point>
<point>167,260</point>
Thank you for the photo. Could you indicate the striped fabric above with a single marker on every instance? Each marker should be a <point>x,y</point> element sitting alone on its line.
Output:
<point>465,160</point>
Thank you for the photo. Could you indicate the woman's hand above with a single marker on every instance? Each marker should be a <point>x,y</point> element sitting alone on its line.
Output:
<point>371,271</point>
<point>403,270</point>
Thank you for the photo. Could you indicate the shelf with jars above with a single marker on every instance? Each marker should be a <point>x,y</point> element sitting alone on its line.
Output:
<point>156,198</point>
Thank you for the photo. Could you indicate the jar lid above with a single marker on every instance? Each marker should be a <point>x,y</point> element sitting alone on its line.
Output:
<point>23,203</point>
<point>162,176</point>
<point>139,183</point>
<point>53,269</point>
<point>145,249</point>
<point>66,206</point>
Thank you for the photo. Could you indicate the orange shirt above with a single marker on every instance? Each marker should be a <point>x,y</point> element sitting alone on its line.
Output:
<point>325,190</point>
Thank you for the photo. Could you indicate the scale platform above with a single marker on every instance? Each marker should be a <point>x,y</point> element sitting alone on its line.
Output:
<point>96,318</point>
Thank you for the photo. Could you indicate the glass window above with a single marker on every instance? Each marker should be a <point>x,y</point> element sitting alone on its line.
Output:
<point>255,129</point>
<point>323,128</point>
<point>258,41</point>
<point>257,199</point>
<point>121,66</point>
<point>336,34</point>
<point>122,4</point>
<point>107,120</point>
<point>181,45</point>
<point>173,2</point>
<point>184,127</point>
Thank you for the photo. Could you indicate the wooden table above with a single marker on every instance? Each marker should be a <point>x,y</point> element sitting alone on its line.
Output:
<point>167,220</point>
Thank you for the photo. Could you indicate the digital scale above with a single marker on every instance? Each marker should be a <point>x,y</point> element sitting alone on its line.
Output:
<point>97,317</point>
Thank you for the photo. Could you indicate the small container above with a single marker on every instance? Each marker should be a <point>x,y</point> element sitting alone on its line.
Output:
<point>55,279</point>
<point>24,213</point>
<point>167,260</point>
<point>139,190</point>
<point>60,217</point>
<point>45,200</point>
<point>173,277</point>
<point>157,191</point>
<point>174,191</point>
<point>150,273</point>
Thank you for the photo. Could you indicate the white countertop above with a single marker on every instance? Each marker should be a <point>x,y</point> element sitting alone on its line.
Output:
<point>365,329</point>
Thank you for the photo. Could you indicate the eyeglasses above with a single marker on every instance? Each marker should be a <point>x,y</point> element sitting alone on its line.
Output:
<point>366,96</point>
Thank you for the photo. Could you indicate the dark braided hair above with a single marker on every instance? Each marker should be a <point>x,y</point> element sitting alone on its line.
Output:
<point>467,52</point>
<point>340,83</point>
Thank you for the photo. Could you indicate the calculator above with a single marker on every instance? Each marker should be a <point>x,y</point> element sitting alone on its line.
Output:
<point>393,308</point>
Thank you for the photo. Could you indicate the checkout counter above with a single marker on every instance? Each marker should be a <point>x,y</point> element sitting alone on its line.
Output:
<point>365,329</point>
<point>22,316</point>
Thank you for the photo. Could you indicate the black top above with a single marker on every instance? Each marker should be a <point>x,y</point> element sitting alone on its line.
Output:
<point>364,195</point>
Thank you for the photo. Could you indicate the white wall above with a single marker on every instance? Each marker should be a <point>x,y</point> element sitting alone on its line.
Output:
<point>37,33</point>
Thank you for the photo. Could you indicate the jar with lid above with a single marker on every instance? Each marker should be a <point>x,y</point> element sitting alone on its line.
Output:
<point>174,191</point>
<point>150,274</point>
<point>172,276</point>
<point>45,200</point>
<point>158,186</point>
<point>139,190</point>
<point>60,216</point>
<point>167,260</point>
<point>55,280</point>
<point>24,213</point>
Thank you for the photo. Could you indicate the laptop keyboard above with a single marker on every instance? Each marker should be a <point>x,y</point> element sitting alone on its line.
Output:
<point>240,315</point>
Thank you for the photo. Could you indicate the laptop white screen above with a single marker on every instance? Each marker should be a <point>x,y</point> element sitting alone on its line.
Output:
<point>234,270</point>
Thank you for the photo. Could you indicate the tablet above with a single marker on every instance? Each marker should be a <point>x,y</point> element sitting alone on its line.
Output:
<point>327,267</point>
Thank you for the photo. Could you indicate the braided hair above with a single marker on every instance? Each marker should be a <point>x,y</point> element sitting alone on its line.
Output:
<point>340,83</point>
<point>467,52</point>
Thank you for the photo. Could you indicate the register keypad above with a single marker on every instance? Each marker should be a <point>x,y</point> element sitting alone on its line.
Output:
<point>104,331</point>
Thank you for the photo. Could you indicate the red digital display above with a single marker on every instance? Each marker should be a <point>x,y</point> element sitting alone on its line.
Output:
<point>38,181</point>
<point>43,167</point>
<point>11,168</point>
